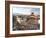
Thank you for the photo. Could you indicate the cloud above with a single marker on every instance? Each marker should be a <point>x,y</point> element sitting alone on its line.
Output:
<point>25,10</point>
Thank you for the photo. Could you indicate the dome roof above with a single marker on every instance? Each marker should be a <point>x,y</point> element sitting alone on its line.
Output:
<point>32,15</point>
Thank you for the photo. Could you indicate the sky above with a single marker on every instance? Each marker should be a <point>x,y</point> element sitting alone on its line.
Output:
<point>25,10</point>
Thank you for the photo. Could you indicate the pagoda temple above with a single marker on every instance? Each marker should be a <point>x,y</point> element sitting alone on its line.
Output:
<point>33,21</point>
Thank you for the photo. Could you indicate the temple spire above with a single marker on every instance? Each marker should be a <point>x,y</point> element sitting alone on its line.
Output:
<point>32,14</point>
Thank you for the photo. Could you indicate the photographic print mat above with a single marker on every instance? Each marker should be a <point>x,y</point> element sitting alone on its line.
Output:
<point>12,6</point>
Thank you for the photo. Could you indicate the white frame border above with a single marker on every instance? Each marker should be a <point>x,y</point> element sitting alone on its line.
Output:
<point>25,31</point>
